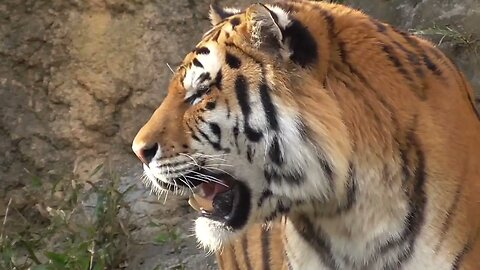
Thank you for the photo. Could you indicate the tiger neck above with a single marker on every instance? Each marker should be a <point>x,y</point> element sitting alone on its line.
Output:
<point>346,237</point>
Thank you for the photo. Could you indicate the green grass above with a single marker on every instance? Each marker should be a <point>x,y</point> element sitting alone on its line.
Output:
<point>77,230</point>
<point>448,33</point>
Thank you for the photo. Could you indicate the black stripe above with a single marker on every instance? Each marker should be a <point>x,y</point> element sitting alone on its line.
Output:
<point>449,217</point>
<point>423,55</point>
<point>327,169</point>
<point>235,47</point>
<point>412,58</point>
<point>302,44</point>
<point>396,61</point>
<point>202,50</point>
<point>211,105</point>
<point>193,134</point>
<point>232,61</point>
<point>204,77</point>
<point>235,21</point>
<point>275,153</point>
<point>267,193</point>
<point>197,63</point>
<point>235,260</point>
<point>245,248</point>
<point>227,105</point>
<point>236,132</point>
<point>216,35</point>
<point>267,173</point>
<point>200,92</point>
<point>268,107</point>
<point>363,79</point>
<point>266,249</point>
<point>417,204</point>
<point>343,54</point>
<point>218,80</point>
<point>302,129</point>
<point>250,153</point>
<point>430,65</point>
<point>280,209</point>
<point>294,177</point>
<point>241,90</point>
<point>387,108</point>
<point>215,129</point>
<point>330,20</point>
<point>457,262</point>
<point>290,177</point>
<point>215,145</point>
<point>351,192</point>
<point>317,240</point>
<point>380,26</point>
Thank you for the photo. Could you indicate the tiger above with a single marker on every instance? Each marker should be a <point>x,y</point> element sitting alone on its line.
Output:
<point>310,135</point>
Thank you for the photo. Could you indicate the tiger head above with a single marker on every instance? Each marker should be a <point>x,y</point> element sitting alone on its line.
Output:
<point>238,124</point>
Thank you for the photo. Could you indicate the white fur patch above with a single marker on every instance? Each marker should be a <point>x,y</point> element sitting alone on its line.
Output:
<point>211,64</point>
<point>282,15</point>
<point>211,234</point>
<point>231,10</point>
<point>300,254</point>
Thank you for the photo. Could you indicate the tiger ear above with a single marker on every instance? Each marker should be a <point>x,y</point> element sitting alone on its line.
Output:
<point>218,14</point>
<point>263,27</point>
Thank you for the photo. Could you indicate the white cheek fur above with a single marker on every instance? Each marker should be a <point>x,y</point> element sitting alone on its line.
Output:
<point>211,234</point>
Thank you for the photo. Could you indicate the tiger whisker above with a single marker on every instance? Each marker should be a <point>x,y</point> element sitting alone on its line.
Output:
<point>186,182</point>
<point>169,67</point>
<point>217,164</point>
<point>207,178</point>
<point>210,165</point>
<point>192,158</point>
<point>208,155</point>
<point>218,169</point>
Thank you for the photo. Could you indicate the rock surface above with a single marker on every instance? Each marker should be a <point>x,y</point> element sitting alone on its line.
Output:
<point>79,78</point>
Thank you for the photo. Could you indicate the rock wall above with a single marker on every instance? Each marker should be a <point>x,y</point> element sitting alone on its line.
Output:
<point>78,78</point>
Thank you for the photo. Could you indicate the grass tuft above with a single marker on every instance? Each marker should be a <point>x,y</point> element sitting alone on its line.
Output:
<point>447,33</point>
<point>67,227</point>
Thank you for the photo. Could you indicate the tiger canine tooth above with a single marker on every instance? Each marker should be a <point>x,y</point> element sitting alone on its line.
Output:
<point>199,203</point>
<point>193,203</point>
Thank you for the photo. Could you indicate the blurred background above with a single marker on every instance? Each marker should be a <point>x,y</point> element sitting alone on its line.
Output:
<point>78,78</point>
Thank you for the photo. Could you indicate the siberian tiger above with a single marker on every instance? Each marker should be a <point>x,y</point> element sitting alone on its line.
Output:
<point>356,143</point>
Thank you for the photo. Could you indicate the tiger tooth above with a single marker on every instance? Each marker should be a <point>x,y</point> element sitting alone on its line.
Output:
<point>203,203</point>
<point>193,203</point>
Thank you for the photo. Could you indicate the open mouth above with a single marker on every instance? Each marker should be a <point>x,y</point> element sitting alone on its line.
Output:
<point>223,198</point>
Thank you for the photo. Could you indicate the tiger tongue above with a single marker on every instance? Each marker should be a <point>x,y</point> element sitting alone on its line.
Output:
<point>211,189</point>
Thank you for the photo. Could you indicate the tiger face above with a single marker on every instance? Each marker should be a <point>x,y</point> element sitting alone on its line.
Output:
<point>230,130</point>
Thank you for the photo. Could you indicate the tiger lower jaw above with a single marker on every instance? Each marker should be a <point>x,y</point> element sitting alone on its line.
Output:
<point>223,204</point>
<point>223,210</point>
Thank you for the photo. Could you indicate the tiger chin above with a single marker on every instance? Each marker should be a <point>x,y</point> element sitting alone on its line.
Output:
<point>357,144</point>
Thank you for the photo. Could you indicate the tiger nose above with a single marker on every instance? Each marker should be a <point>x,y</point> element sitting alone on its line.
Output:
<point>145,152</point>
